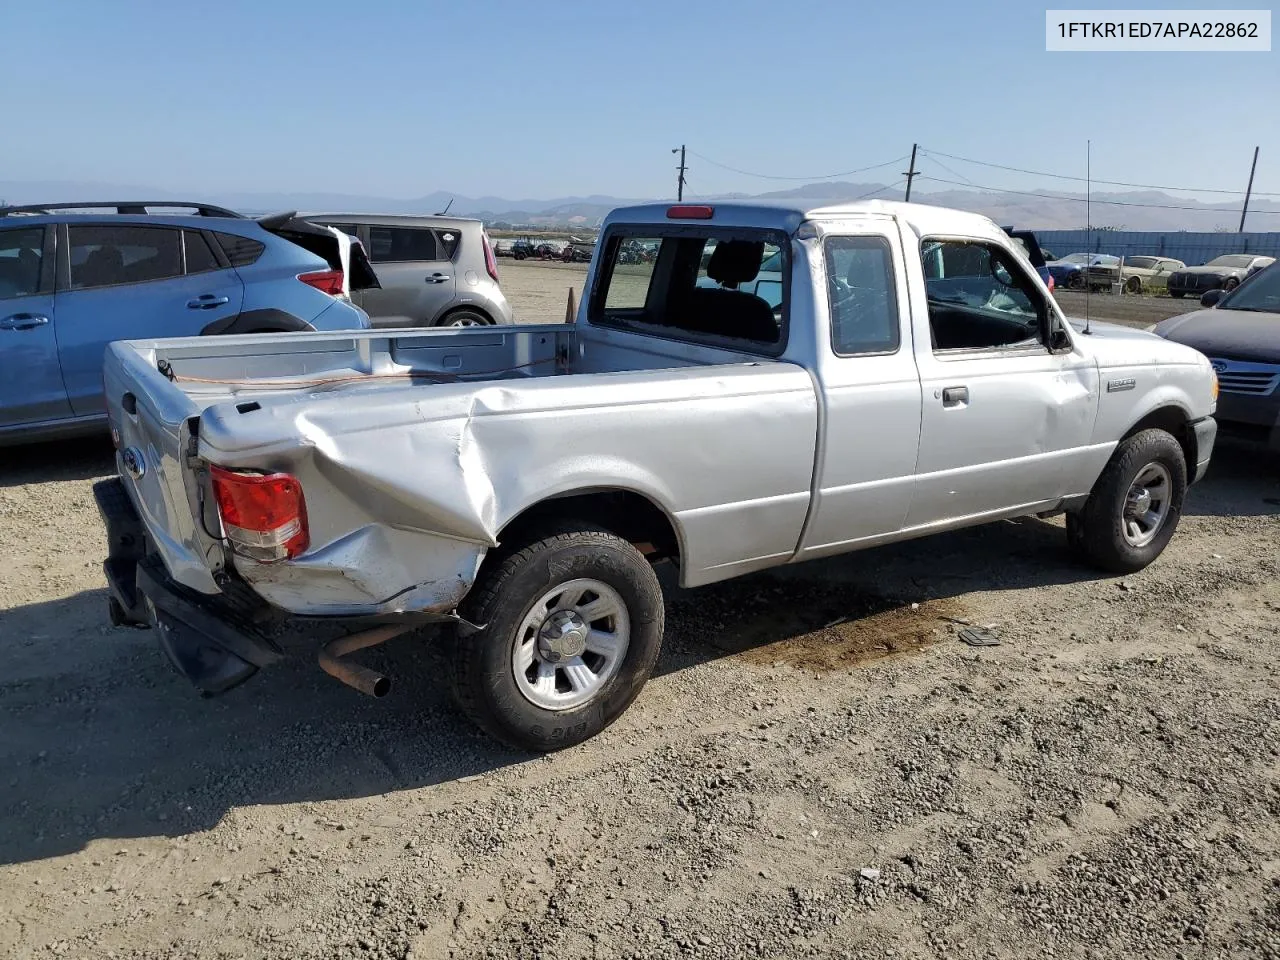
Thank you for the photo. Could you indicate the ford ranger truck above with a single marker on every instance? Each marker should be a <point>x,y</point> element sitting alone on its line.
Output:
<point>910,374</point>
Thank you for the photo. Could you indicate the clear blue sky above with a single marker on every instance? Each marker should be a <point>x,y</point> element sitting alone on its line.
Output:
<point>551,97</point>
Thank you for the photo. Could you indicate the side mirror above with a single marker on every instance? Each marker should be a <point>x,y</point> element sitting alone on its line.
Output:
<point>1210,298</point>
<point>1059,340</point>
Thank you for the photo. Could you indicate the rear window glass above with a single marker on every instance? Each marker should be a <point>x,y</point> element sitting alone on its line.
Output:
<point>21,256</point>
<point>401,244</point>
<point>241,251</point>
<point>200,258</point>
<point>108,255</point>
<point>697,285</point>
<point>449,240</point>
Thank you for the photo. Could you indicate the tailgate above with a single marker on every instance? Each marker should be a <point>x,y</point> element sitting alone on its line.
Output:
<point>151,420</point>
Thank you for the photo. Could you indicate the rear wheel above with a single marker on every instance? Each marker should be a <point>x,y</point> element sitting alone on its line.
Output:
<point>465,318</point>
<point>1133,285</point>
<point>1075,281</point>
<point>572,627</point>
<point>1133,509</point>
<point>1177,294</point>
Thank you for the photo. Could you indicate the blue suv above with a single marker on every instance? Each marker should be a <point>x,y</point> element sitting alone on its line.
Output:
<point>74,277</point>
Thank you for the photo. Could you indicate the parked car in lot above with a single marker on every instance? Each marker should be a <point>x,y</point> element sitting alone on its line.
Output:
<point>1074,270</point>
<point>519,484</point>
<point>1140,273</point>
<point>432,271</point>
<point>1220,273</point>
<point>1240,334</point>
<point>74,277</point>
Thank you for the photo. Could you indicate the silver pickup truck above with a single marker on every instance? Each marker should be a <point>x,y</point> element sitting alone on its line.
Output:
<point>911,375</point>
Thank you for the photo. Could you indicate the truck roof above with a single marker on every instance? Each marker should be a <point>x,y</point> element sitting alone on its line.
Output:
<point>787,215</point>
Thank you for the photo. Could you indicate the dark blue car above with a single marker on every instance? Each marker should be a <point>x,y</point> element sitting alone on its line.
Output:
<point>72,282</point>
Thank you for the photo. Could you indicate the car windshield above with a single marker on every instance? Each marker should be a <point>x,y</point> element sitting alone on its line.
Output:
<point>1141,262</point>
<point>1106,260</point>
<point>1261,294</point>
<point>1230,261</point>
<point>1077,258</point>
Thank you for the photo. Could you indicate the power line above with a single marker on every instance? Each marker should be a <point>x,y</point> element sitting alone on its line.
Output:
<point>1113,183</point>
<point>1113,203</point>
<point>771,176</point>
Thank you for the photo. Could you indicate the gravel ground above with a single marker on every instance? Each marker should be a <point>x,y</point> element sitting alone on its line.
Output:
<point>818,769</point>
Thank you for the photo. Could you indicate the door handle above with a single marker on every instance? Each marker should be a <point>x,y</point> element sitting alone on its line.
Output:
<point>437,278</point>
<point>23,321</point>
<point>955,396</point>
<point>207,301</point>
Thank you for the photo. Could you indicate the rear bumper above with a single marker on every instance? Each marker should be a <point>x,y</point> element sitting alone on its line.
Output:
<point>212,644</point>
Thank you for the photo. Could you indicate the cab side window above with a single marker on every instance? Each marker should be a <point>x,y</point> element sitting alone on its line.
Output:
<point>979,298</point>
<point>860,290</point>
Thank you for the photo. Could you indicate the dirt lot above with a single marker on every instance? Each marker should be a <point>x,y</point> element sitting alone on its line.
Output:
<point>538,290</point>
<point>819,768</point>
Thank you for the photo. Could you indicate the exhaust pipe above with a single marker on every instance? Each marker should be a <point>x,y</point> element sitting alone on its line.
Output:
<point>352,674</point>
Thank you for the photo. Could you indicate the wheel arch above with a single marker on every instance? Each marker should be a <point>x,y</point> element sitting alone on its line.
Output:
<point>444,316</point>
<point>627,513</point>
<point>1173,419</point>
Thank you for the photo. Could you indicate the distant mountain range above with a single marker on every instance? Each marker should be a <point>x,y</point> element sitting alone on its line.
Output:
<point>1151,210</point>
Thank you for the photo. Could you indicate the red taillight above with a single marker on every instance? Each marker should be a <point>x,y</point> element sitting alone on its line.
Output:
<point>686,211</point>
<point>328,281</point>
<point>264,515</point>
<point>490,262</point>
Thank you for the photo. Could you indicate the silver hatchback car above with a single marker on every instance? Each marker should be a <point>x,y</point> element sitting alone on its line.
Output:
<point>433,271</point>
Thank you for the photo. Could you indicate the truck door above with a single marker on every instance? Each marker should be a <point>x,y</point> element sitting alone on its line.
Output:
<point>1008,409</point>
<point>31,389</point>
<point>867,457</point>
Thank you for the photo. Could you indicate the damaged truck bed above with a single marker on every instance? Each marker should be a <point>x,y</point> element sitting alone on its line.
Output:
<point>895,371</point>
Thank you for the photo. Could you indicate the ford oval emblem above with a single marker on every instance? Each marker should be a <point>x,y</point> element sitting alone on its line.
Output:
<point>1219,366</point>
<point>133,462</point>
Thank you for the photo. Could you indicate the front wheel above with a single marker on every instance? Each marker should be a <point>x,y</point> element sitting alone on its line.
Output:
<point>1135,505</point>
<point>1133,285</point>
<point>1231,283</point>
<point>572,626</point>
<point>1177,294</point>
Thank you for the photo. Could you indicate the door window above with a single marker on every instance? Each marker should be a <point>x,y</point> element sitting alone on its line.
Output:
<point>200,258</point>
<point>979,298</point>
<point>109,255</point>
<point>21,257</point>
<point>401,244</point>
<point>864,308</point>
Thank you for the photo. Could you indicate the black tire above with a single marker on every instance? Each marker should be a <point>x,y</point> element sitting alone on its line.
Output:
<point>1096,532</point>
<point>1075,281</point>
<point>519,255</point>
<point>465,318</point>
<point>1133,286</point>
<point>483,676</point>
<point>1177,294</point>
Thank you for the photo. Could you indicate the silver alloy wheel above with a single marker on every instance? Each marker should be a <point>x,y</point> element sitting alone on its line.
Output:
<point>1146,505</point>
<point>466,321</point>
<point>570,644</point>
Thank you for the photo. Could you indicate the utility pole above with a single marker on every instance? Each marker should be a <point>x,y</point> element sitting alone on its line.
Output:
<point>682,168</point>
<point>1248,190</point>
<point>911,173</point>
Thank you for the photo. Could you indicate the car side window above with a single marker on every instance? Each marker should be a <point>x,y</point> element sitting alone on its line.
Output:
<point>104,256</point>
<point>21,257</point>
<point>979,298</point>
<point>860,291</point>
<point>448,240</point>
<point>401,244</point>
<point>200,258</point>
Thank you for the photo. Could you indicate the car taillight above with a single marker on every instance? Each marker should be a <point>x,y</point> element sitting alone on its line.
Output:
<point>264,515</point>
<point>328,281</point>
<point>490,263</point>
<point>690,211</point>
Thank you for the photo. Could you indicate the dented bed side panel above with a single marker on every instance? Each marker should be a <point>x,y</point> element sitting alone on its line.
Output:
<point>408,487</point>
